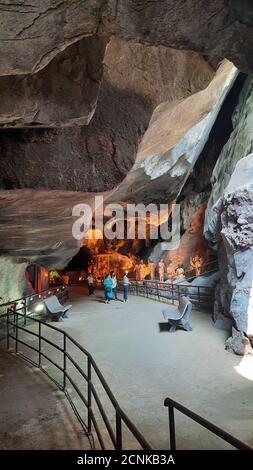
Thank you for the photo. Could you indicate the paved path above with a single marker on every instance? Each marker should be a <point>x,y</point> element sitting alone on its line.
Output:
<point>143,363</point>
<point>34,414</point>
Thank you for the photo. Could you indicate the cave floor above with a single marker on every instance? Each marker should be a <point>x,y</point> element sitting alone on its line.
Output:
<point>34,414</point>
<point>143,363</point>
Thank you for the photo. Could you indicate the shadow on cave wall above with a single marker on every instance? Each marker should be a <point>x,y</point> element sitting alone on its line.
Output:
<point>86,158</point>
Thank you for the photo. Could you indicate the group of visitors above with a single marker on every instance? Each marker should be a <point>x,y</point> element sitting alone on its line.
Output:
<point>110,285</point>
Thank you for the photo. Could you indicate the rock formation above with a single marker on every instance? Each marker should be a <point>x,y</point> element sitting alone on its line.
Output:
<point>34,32</point>
<point>228,224</point>
<point>63,93</point>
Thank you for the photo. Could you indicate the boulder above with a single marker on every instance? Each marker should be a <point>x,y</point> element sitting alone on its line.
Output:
<point>168,152</point>
<point>238,343</point>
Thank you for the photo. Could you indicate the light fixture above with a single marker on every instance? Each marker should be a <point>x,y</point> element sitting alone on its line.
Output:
<point>39,307</point>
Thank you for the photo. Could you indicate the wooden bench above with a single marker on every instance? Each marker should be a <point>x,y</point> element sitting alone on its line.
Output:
<point>56,311</point>
<point>180,317</point>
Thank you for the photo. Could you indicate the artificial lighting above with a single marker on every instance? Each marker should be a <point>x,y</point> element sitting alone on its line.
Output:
<point>39,307</point>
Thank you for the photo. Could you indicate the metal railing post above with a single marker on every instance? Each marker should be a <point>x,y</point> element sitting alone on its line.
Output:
<point>16,325</point>
<point>118,432</point>
<point>64,361</point>
<point>178,292</point>
<point>24,310</point>
<point>8,330</point>
<point>172,291</point>
<point>39,345</point>
<point>172,427</point>
<point>89,395</point>
<point>199,296</point>
<point>146,289</point>
<point>158,291</point>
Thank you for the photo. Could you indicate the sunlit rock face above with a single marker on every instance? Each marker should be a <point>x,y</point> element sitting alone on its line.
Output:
<point>63,93</point>
<point>35,32</point>
<point>175,138</point>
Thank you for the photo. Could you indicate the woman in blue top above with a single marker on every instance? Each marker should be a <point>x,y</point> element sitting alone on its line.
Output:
<point>108,288</point>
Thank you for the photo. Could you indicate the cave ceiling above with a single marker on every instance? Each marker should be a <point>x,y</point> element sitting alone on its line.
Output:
<point>106,96</point>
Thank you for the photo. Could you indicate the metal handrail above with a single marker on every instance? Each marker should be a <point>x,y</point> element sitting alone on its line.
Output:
<point>14,318</point>
<point>172,404</point>
<point>170,291</point>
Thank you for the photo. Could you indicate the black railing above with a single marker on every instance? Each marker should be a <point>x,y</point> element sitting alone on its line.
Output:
<point>91,404</point>
<point>202,297</point>
<point>172,405</point>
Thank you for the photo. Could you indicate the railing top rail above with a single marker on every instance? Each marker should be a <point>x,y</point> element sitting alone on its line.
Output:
<point>168,402</point>
<point>109,393</point>
<point>170,284</point>
<point>36,294</point>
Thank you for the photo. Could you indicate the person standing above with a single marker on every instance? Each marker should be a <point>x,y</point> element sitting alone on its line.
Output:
<point>90,280</point>
<point>125,286</point>
<point>114,285</point>
<point>161,267</point>
<point>151,269</point>
<point>107,288</point>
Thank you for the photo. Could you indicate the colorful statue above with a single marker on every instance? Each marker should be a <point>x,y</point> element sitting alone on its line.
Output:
<point>179,272</point>
<point>196,264</point>
<point>151,265</point>
<point>170,271</point>
<point>161,268</point>
<point>142,270</point>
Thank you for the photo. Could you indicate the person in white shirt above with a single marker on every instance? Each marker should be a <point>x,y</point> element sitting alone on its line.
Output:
<point>125,286</point>
<point>114,285</point>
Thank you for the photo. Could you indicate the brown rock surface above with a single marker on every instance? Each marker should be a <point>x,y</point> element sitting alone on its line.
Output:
<point>35,31</point>
<point>63,93</point>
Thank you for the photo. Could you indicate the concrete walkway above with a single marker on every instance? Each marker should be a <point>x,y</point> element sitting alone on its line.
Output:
<point>34,414</point>
<point>143,363</point>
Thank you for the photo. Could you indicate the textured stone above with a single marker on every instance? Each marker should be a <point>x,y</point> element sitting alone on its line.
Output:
<point>169,151</point>
<point>37,225</point>
<point>63,93</point>
<point>156,74</point>
<point>238,343</point>
<point>13,283</point>
<point>239,145</point>
<point>235,224</point>
<point>98,157</point>
<point>33,32</point>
